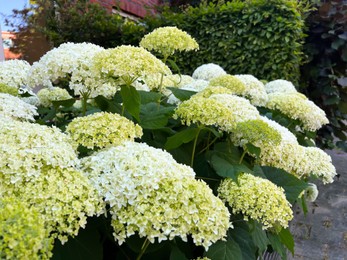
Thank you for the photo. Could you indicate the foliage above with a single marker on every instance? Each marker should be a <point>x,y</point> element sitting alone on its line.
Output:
<point>262,38</point>
<point>324,76</point>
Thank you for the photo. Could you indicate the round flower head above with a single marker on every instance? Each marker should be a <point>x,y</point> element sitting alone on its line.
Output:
<point>8,90</point>
<point>23,232</point>
<point>254,91</point>
<point>240,108</point>
<point>13,73</point>
<point>16,108</point>
<point>177,208</point>
<point>286,135</point>
<point>208,71</point>
<point>205,111</point>
<point>258,199</point>
<point>256,132</point>
<point>211,90</point>
<point>150,193</point>
<point>311,192</point>
<point>128,63</point>
<point>64,198</point>
<point>102,129</point>
<point>230,82</point>
<point>280,85</point>
<point>27,148</point>
<point>47,95</point>
<point>298,107</point>
<point>168,40</point>
<point>59,63</point>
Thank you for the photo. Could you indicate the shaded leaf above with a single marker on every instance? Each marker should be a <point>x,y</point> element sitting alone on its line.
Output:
<point>224,250</point>
<point>154,116</point>
<point>180,138</point>
<point>287,239</point>
<point>177,254</point>
<point>149,96</point>
<point>64,103</point>
<point>277,245</point>
<point>182,94</point>
<point>253,149</point>
<point>259,237</point>
<point>131,101</point>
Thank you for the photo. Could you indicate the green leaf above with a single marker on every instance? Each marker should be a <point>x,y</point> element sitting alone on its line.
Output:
<point>253,149</point>
<point>287,239</point>
<point>64,103</point>
<point>337,44</point>
<point>154,116</point>
<point>240,233</point>
<point>149,97</point>
<point>180,138</point>
<point>224,250</point>
<point>108,105</point>
<point>182,94</point>
<point>291,184</point>
<point>259,236</point>
<point>177,254</point>
<point>174,65</point>
<point>277,245</point>
<point>226,169</point>
<point>131,101</point>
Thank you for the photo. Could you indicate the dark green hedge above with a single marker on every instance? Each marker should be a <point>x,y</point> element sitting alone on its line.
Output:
<point>259,37</point>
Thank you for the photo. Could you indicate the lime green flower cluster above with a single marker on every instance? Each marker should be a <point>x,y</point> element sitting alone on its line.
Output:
<point>205,111</point>
<point>102,129</point>
<point>168,40</point>
<point>298,107</point>
<point>256,132</point>
<point>26,148</point>
<point>23,233</point>
<point>236,86</point>
<point>47,95</point>
<point>150,193</point>
<point>16,108</point>
<point>258,199</point>
<point>210,90</point>
<point>4,88</point>
<point>255,89</point>
<point>64,196</point>
<point>128,63</point>
<point>14,73</point>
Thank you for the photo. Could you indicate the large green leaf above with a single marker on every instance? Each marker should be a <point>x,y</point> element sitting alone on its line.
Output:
<point>259,237</point>
<point>291,184</point>
<point>108,105</point>
<point>182,94</point>
<point>154,116</point>
<point>131,101</point>
<point>224,250</point>
<point>240,233</point>
<point>177,254</point>
<point>149,97</point>
<point>226,169</point>
<point>277,245</point>
<point>64,103</point>
<point>287,239</point>
<point>180,138</point>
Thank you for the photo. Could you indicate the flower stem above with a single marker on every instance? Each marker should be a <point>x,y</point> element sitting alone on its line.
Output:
<point>143,249</point>
<point>194,147</point>
<point>242,156</point>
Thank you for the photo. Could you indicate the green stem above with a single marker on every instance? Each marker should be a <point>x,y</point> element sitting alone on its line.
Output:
<point>209,145</point>
<point>243,155</point>
<point>194,147</point>
<point>143,249</point>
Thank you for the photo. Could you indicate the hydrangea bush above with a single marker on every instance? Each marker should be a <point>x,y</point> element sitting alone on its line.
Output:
<point>124,157</point>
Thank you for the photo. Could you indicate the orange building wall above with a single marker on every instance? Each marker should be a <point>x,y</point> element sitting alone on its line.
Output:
<point>8,54</point>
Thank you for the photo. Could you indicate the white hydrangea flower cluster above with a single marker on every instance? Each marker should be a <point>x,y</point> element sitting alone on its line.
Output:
<point>208,71</point>
<point>167,40</point>
<point>128,63</point>
<point>211,90</point>
<point>14,73</point>
<point>47,95</point>
<point>16,108</point>
<point>280,85</point>
<point>26,148</point>
<point>298,107</point>
<point>150,193</point>
<point>255,89</point>
<point>258,199</point>
<point>100,130</point>
<point>61,62</point>
<point>23,232</point>
<point>311,192</point>
<point>63,196</point>
<point>286,135</point>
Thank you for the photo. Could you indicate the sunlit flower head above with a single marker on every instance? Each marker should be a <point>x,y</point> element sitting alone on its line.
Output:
<point>258,199</point>
<point>167,40</point>
<point>102,129</point>
<point>280,85</point>
<point>23,231</point>
<point>150,193</point>
<point>16,108</point>
<point>13,73</point>
<point>298,107</point>
<point>208,71</point>
<point>128,63</point>
<point>47,95</point>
